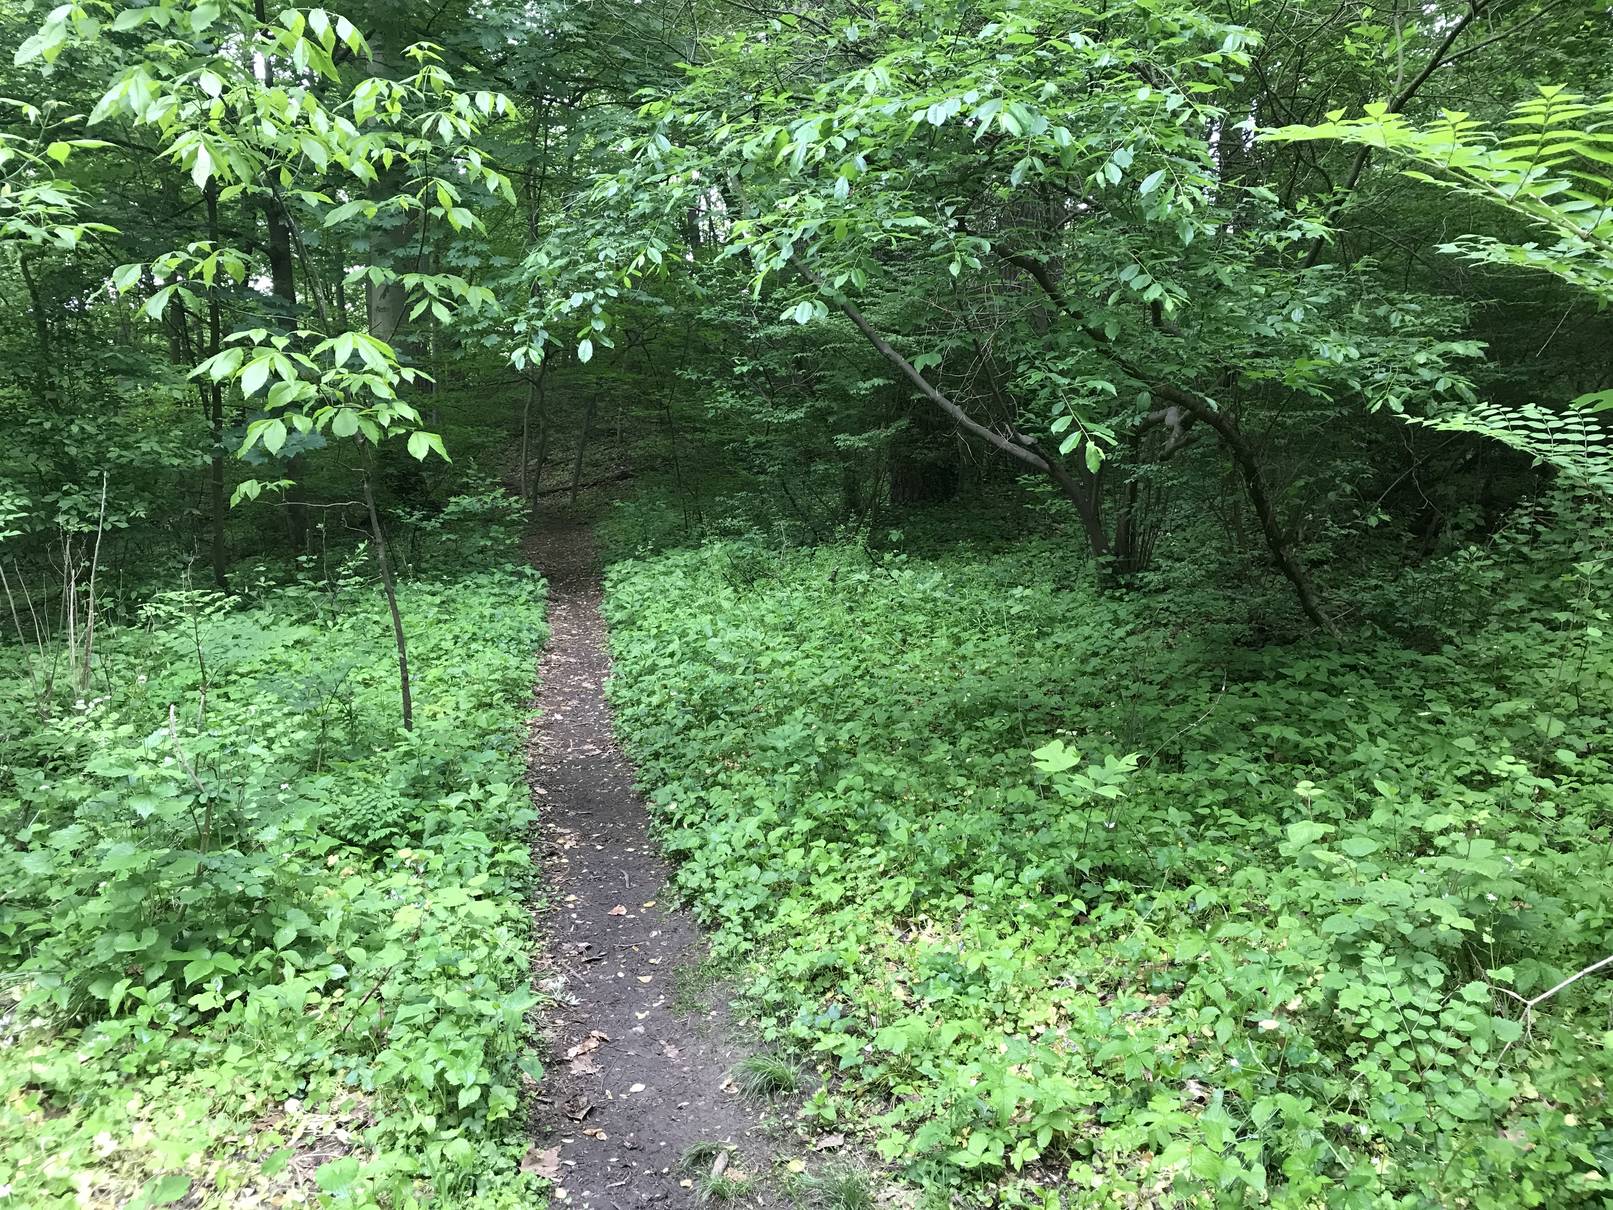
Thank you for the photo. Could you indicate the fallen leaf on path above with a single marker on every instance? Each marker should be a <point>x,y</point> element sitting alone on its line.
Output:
<point>669,1050</point>
<point>796,1165</point>
<point>829,1142</point>
<point>594,1132</point>
<point>591,1042</point>
<point>544,1163</point>
<point>578,1108</point>
<point>619,910</point>
<point>636,1088</point>
<point>645,978</point>
<point>584,1065</point>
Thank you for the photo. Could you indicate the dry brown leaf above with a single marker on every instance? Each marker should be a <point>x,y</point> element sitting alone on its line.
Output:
<point>591,1042</point>
<point>619,910</point>
<point>544,1162</point>
<point>829,1142</point>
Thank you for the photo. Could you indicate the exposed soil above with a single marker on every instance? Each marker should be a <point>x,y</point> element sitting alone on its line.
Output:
<point>635,1077</point>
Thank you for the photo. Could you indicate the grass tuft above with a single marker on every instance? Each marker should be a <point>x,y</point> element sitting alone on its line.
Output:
<point>842,1188</point>
<point>765,1076</point>
<point>714,1181</point>
<point>698,1157</point>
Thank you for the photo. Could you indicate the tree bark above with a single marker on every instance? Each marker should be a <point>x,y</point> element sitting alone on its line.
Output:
<point>385,301</point>
<point>215,412</point>
<point>277,229</point>
<point>582,446</point>
<point>388,584</point>
<point>1243,455</point>
<point>534,403</point>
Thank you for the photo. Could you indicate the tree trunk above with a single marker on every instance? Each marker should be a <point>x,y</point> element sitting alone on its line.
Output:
<point>529,472</point>
<point>42,364</point>
<point>385,301</point>
<point>384,563</point>
<point>1243,455</point>
<point>215,412</point>
<point>582,446</point>
<point>283,286</point>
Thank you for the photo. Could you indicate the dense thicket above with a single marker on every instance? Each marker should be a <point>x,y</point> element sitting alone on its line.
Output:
<point>1112,523</point>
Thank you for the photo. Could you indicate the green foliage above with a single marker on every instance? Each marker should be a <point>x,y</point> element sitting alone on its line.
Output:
<point>1552,172</point>
<point>1248,928</point>
<point>765,1076</point>
<point>842,1188</point>
<point>248,921</point>
<point>1551,169</point>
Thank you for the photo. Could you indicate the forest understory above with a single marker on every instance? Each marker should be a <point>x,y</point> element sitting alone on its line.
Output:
<point>909,604</point>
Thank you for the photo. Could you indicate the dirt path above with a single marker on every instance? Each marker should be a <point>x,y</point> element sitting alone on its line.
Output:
<point>632,1084</point>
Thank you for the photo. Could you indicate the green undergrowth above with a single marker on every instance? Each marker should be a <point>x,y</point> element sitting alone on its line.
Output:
<point>1093,899</point>
<point>258,944</point>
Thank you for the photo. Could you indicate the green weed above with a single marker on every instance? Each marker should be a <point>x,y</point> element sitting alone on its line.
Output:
<point>841,1188</point>
<point>1078,888</point>
<point>765,1076</point>
<point>247,927</point>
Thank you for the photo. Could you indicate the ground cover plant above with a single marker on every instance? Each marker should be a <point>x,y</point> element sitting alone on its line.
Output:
<point>260,942</point>
<point>1094,895</point>
<point>1109,514</point>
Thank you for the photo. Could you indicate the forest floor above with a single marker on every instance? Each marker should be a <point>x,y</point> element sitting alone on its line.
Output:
<point>639,1103</point>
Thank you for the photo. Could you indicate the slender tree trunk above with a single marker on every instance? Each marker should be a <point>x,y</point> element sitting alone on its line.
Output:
<point>533,405</point>
<point>542,453</point>
<point>384,563</point>
<point>277,229</point>
<point>385,302</point>
<point>283,284</point>
<point>215,413</point>
<point>582,446</point>
<point>1254,482</point>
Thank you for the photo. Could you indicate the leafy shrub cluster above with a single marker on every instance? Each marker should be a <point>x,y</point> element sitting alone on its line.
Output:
<point>256,939</point>
<point>1098,902</point>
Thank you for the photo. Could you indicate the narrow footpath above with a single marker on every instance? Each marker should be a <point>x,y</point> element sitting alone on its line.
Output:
<point>637,1105</point>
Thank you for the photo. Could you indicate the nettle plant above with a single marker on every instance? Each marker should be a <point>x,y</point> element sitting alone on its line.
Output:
<point>243,106</point>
